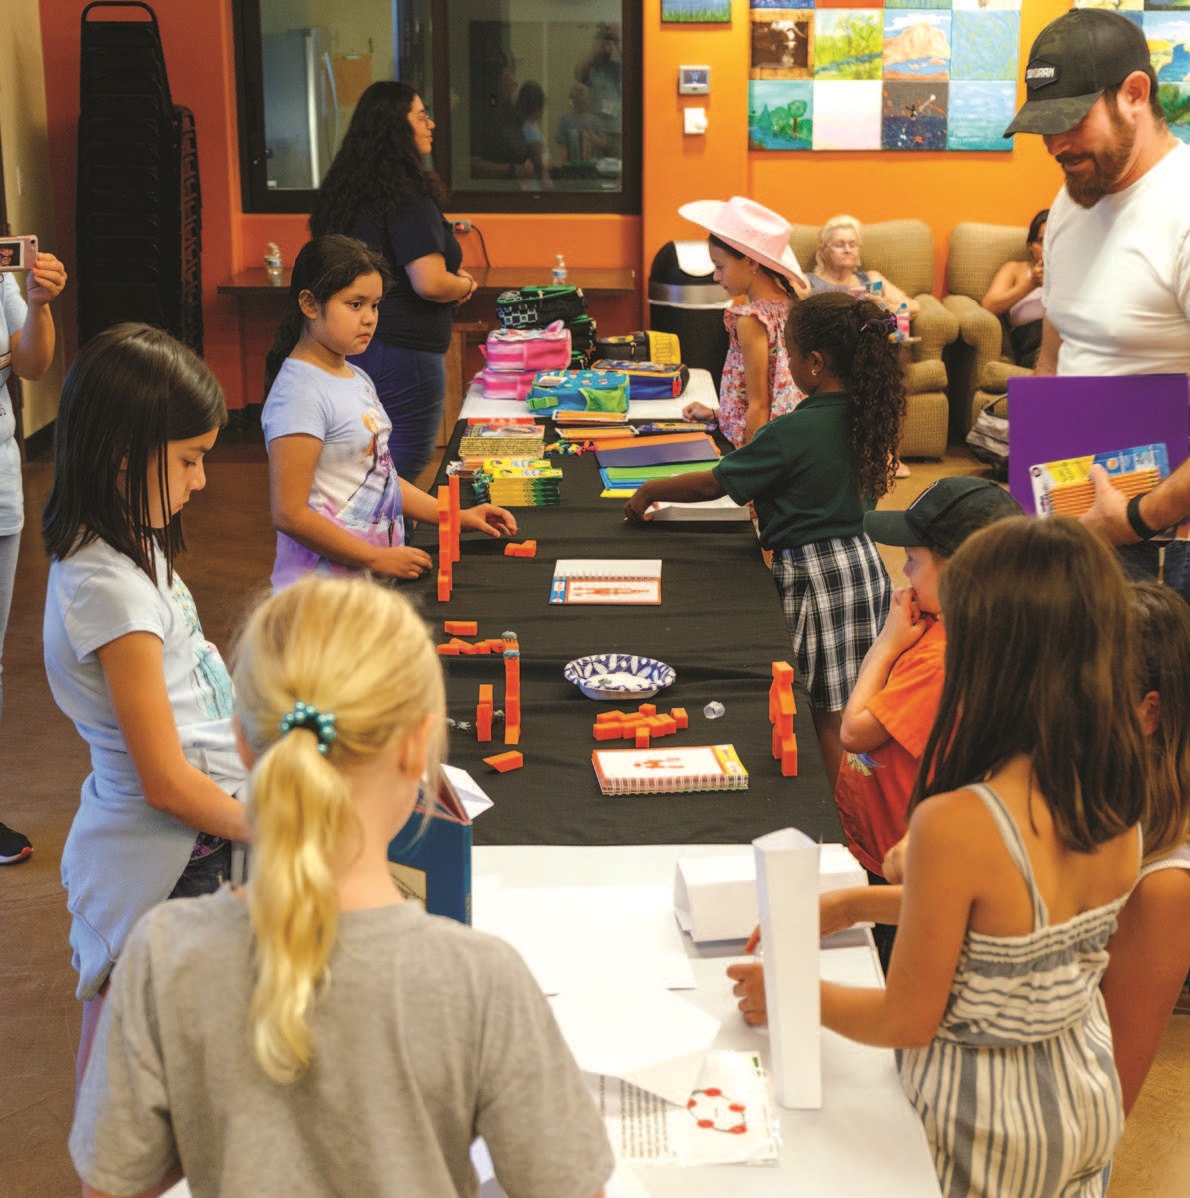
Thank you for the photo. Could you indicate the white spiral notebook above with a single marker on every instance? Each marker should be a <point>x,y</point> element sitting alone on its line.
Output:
<point>669,771</point>
<point>607,580</point>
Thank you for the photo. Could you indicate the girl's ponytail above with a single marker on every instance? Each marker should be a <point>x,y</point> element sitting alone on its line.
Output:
<point>302,818</point>
<point>329,673</point>
<point>324,266</point>
<point>853,337</point>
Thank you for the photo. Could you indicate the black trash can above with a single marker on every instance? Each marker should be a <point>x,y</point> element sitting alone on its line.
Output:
<point>691,306</point>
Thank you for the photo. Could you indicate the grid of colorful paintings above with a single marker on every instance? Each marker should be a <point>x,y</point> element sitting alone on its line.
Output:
<point>904,75</point>
<point>1166,25</point>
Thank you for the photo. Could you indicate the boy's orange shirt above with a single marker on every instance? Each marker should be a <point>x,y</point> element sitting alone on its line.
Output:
<point>872,792</point>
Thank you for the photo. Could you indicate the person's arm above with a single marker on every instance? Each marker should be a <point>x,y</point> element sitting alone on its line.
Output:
<point>1013,281</point>
<point>754,348</point>
<point>681,488</point>
<point>484,517</point>
<point>893,865</point>
<point>292,461</point>
<point>945,865</point>
<point>894,297</point>
<point>1167,503</point>
<point>1051,344</point>
<point>1149,959</point>
<point>432,281</point>
<point>32,345</point>
<point>837,911</point>
<point>861,731</point>
<point>134,671</point>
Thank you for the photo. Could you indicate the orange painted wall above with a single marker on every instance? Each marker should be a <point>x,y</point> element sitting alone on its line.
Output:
<point>940,188</point>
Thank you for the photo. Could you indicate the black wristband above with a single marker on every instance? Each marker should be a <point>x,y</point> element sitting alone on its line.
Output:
<point>1136,520</point>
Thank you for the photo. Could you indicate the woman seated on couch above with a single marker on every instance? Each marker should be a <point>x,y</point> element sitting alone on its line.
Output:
<point>837,267</point>
<point>1015,295</point>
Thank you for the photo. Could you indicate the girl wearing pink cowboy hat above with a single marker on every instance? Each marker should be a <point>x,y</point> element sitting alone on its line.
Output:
<point>749,246</point>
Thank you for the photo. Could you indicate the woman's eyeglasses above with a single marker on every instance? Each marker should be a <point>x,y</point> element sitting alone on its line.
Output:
<point>843,245</point>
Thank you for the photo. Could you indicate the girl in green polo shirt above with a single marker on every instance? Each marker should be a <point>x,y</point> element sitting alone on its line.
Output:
<point>811,474</point>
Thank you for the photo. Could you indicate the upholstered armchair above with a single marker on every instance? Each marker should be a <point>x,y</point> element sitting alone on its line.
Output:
<point>903,251</point>
<point>980,363</point>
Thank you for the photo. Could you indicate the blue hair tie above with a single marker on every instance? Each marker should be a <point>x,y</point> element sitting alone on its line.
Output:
<point>303,715</point>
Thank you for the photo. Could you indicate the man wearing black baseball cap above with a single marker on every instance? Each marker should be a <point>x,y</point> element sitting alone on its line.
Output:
<point>1117,277</point>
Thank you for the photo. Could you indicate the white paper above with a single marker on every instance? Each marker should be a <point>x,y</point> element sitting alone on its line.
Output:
<point>728,1117</point>
<point>471,794</point>
<point>573,937</point>
<point>610,567</point>
<point>723,508</point>
<point>787,894</point>
<point>649,1037</point>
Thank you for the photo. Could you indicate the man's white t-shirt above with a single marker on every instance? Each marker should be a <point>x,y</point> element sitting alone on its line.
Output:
<point>1117,276</point>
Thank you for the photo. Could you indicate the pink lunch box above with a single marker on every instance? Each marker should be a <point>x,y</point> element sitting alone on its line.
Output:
<point>528,349</point>
<point>506,384</point>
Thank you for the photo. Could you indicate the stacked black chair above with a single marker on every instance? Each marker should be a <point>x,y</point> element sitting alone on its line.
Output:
<point>139,222</point>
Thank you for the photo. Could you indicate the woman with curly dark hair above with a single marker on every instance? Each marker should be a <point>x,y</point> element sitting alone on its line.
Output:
<point>379,191</point>
<point>811,474</point>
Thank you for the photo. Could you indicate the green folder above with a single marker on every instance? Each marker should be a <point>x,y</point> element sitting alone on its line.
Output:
<point>666,470</point>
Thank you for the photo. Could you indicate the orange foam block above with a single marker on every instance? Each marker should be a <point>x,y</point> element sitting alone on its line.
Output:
<point>443,585</point>
<point>789,757</point>
<point>512,733</point>
<point>455,525</point>
<point>503,762</point>
<point>448,650</point>
<point>461,627</point>
<point>679,714</point>
<point>486,692</point>
<point>648,709</point>
<point>609,717</point>
<point>483,722</point>
<point>642,738</point>
<point>606,731</point>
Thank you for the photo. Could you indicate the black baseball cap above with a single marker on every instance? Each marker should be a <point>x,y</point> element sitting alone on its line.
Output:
<point>944,515</point>
<point>1073,59</point>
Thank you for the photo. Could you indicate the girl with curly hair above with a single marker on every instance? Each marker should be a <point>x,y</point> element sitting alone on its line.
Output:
<point>379,191</point>
<point>811,475</point>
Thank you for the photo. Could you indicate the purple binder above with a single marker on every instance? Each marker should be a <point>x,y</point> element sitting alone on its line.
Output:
<point>1054,418</point>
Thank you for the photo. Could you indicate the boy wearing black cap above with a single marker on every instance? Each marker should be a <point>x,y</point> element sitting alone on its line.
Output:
<point>1117,263</point>
<point>892,706</point>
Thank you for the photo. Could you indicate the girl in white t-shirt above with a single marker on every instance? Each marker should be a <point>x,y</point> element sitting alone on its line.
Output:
<point>124,651</point>
<point>337,502</point>
<point>1150,952</point>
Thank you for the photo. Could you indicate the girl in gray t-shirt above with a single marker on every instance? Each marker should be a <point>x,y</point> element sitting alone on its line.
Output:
<point>345,1042</point>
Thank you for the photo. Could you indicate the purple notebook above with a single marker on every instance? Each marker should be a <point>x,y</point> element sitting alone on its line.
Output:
<point>658,452</point>
<point>1050,419</point>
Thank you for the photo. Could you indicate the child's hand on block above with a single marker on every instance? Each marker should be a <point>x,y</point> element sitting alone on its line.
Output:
<point>637,508</point>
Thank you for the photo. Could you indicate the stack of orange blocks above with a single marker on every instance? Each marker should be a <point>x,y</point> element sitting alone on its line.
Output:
<point>448,536</point>
<point>512,689</point>
<point>640,726</point>
<point>483,713</point>
<point>781,712</point>
<point>524,549</point>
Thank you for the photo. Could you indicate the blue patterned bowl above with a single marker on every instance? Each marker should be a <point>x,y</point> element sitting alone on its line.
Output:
<point>618,676</point>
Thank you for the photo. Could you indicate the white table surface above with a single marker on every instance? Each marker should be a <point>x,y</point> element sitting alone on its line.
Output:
<point>700,389</point>
<point>866,1139</point>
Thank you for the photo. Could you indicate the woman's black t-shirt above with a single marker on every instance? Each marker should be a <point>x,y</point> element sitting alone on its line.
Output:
<point>416,229</point>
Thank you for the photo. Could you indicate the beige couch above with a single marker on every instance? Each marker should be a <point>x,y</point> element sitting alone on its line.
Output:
<point>903,251</point>
<point>980,363</point>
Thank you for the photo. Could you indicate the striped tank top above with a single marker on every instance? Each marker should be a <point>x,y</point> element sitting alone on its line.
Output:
<point>1018,1090</point>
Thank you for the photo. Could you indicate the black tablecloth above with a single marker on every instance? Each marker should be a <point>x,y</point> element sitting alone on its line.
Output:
<point>719,625</point>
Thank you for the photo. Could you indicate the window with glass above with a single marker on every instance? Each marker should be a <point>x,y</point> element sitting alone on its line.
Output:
<point>535,103</point>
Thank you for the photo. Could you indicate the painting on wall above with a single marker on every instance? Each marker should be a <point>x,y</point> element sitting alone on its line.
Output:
<point>707,12</point>
<point>1166,26</point>
<point>907,75</point>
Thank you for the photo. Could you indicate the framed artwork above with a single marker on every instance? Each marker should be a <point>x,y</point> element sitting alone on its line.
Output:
<point>1166,26</point>
<point>708,12</point>
<point>906,75</point>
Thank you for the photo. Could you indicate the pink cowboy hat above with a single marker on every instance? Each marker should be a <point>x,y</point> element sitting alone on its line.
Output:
<point>749,227</point>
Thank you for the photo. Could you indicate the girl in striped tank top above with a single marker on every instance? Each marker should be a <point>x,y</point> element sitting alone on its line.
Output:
<point>1022,850</point>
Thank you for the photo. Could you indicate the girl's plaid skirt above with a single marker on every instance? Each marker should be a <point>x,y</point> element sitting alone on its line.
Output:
<point>835,595</point>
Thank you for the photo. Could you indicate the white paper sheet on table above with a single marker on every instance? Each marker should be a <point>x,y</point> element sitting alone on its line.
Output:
<point>647,1036</point>
<point>573,937</point>
<point>729,1117</point>
<point>471,794</point>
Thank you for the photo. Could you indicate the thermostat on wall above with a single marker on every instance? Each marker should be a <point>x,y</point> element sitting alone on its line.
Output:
<point>694,81</point>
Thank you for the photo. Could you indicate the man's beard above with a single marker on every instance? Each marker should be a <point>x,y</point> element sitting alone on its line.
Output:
<point>1086,190</point>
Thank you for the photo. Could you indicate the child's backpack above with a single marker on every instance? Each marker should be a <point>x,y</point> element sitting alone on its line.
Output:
<point>649,380</point>
<point>988,437</point>
<point>646,346</point>
<point>579,390</point>
<point>506,384</point>
<point>528,349</point>
<point>536,307</point>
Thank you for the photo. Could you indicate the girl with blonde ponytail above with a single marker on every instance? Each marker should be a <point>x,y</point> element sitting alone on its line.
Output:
<point>312,1033</point>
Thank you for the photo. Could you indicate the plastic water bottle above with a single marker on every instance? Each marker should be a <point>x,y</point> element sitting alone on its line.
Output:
<point>273,264</point>
<point>903,320</point>
<point>559,270</point>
